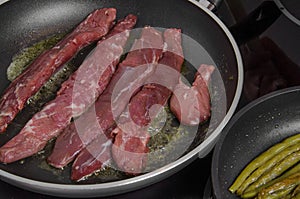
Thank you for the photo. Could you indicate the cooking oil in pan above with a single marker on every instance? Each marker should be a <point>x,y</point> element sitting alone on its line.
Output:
<point>165,145</point>
<point>21,60</point>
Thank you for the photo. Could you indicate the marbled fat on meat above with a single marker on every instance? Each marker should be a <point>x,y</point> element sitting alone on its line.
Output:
<point>98,154</point>
<point>95,26</point>
<point>138,65</point>
<point>130,148</point>
<point>75,96</point>
<point>191,105</point>
<point>78,134</point>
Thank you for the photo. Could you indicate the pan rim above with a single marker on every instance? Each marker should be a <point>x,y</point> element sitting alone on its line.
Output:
<point>122,186</point>
<point>216,154</point>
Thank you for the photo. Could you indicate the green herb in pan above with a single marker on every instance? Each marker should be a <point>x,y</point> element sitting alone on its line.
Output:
<point>27,55</point>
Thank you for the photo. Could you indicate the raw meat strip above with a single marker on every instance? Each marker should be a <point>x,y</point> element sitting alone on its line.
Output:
<point>191,105</point>
<point>138,139</point>
<point>97,154</point>
<point>161,84</point>
<point>129,149</point>
<point>95,26</point>
<point>82,168</point>
<point>78,134</point>
<point>75,96</point>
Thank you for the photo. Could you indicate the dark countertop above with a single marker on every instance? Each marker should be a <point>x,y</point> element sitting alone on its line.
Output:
<point>189,183</point>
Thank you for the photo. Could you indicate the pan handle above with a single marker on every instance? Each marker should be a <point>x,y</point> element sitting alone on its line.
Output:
<point>256,22</point>
<point>216,3</point>
<point>210,4</point>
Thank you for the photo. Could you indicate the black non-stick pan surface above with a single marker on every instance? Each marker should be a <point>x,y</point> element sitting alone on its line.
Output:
<point>23,23</point>
<point>259,125</point>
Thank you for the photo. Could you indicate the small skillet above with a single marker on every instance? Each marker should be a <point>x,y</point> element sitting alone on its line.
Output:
<point>259,125</point>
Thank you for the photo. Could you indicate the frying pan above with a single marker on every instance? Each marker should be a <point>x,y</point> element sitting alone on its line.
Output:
<point>26,22</point>
<point>255,128</point>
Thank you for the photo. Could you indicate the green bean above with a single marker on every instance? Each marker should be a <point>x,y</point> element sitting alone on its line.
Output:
<point>276,171</point>
<point>296,191</point>
<point>281,194</point>
<point>281,188</point>
<point>286,193</point>
<point>265,167</point>
<point>288,196</point>
<point>296,196</point>
<point>253,193</point>
<point>261,159</point>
